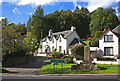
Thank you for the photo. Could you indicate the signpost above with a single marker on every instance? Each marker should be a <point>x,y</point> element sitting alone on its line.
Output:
<point>58,61</point>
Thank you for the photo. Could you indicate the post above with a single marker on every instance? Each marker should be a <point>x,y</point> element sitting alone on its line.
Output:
<point>62,67</point>
<point>87,54</point>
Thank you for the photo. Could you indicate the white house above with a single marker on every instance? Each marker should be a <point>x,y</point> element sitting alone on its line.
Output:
<point>109,42</point>
<point>62,41</point>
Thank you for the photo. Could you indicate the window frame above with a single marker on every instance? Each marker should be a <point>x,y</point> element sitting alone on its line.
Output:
<point>60,48</point>
<point>108,38</point>
<point>108,51</point>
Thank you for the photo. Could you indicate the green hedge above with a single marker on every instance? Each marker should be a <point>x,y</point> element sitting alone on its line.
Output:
<point>78,49</point>
<point>13,61</point>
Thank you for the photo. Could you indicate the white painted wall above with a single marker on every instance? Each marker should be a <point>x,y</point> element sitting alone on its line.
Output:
<point>53,44</point>
<point>47,42</point>
<point>62,44</point>
<point>114,44</point>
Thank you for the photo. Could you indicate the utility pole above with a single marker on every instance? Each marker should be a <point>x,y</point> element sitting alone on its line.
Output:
<point>41,33</point>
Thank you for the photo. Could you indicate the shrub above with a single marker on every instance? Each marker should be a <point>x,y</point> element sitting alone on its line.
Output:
<point>78,57</point>
<point>69,60</point>
<point>78,49</point>
<point>36,52</point>
<point>57,54</point>
<point>98,34</point>
<point>94,42</point>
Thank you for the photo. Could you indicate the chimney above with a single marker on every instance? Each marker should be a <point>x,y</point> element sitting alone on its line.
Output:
<point>50,32</point>
<point>73,28</point>
<point>104,29</point>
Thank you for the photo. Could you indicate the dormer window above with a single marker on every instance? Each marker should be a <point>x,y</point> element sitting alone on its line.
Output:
<point>108,38</point>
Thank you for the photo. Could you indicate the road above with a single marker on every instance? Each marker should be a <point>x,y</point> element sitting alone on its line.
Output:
<point>31,70</point>
<point>59,77</point>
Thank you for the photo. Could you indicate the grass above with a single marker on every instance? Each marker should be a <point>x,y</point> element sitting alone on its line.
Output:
<point>87,42</point>
<point>3,70</point>
<point>48,69</point>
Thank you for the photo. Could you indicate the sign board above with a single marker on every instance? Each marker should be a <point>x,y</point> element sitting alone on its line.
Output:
<point>58,61</point>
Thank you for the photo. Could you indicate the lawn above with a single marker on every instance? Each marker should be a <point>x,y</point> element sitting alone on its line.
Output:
<point>87,42</point>
<point>3,70</point>
<point>48,69</point>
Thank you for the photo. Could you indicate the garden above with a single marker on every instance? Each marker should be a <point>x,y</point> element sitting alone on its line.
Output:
<point>48,69</point>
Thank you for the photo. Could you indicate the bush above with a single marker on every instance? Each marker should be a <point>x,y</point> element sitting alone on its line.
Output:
<point>78,57</point>
<point>69,60</point>
<point>57,54</point>
<point>78,49</point>
<point>94,42</point>
<point>98,34</point>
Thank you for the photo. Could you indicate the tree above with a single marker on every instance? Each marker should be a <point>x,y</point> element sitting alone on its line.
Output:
<point>12,41</point>
<point>37,21</point>
<point>30,41</point>
<point>94,42</point>
<point>98,34</point>
<point>84,10</point>
<point>103,18</point>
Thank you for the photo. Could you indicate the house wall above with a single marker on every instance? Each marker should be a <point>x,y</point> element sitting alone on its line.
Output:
<point>47,42</point>
<point>114,44</point>
<point>53,44</point>
<point>62,44</point>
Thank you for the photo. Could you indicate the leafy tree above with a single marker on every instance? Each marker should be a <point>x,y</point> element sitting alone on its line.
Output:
<point>103,18</point>
<point>30,41</point>
<point>98,34</point>
<point>37,22</point>
<point>12,40</point>
<point>84,10</point>
<point>94,42</point>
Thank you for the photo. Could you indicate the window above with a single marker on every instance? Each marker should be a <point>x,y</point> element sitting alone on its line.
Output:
<point>60,48</point>
<point>108,38</point>
<point>108,50</point>
<point>60,39</point>
<point>52,48</point>
<point>53,41</point>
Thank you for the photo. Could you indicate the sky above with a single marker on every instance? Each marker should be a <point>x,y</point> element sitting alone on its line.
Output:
<point>19,11</point>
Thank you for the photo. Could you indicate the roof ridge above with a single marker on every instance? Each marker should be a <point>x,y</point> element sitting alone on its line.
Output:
<point>116,27</point>
<point>62,31</point>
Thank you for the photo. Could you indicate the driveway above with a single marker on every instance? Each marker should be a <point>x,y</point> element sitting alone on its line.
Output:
<point>30,69</point>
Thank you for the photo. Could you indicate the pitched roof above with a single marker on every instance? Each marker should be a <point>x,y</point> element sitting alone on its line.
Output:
<point>65,34</point>
<point>115,31</point>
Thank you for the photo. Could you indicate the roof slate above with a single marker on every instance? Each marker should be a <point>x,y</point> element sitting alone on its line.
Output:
<point>65,34</point>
